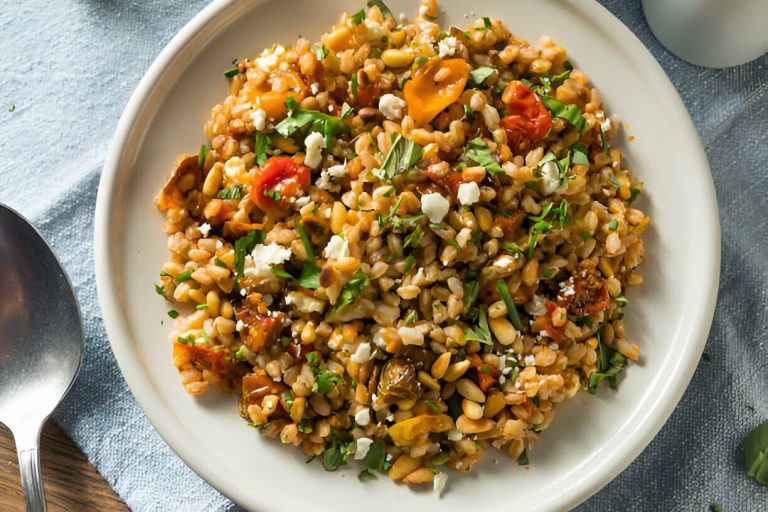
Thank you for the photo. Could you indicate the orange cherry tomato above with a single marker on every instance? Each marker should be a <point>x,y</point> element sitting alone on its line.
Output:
<point>528,120</point>
<point>271,94</point>
<point>278,181</point>
<point>425,97</point>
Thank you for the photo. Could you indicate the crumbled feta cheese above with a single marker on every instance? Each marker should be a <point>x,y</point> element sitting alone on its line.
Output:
<point>259,118</point>
<point>502,380</point>
<point>268,59</point>
<point>324,181</point>
<point>205,228</point>
<point>530,360</point>
<point>553,346</point>
<point>362,354</point>
<point>265,255</point>
<point>239,326</point>
<point>362,446</point>
<point>304,303</point>
<point>469,193</point>
<point>363,417</point>
<point>338,170</point>
<point>302,201</point>
<point>337,248</point>
<point>377,338</point>
<point>315,142</point>
<point>504,261</point>
<point>435,206</point>
<point>606,125</point>
<point>243,292</point>
<point>314,88</point>
<point>439,482</point>
<point>392,107</point>
<point>447,46</point>
<point>455,435</point>
<point>536,306</point>
<point>219,244</point>
<point>423,9</point>
<point>550,178</point>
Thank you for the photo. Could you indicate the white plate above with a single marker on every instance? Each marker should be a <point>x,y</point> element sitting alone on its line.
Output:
<point>592,439</point>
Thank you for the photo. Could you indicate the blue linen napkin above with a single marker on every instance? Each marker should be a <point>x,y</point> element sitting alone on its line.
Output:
<point>70,66</point>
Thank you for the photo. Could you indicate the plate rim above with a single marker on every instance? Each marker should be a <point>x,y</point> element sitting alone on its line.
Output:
<point>207,20</point>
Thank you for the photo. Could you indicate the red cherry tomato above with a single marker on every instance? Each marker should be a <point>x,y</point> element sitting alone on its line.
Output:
<point>528,120</point>
<point>278,181</point>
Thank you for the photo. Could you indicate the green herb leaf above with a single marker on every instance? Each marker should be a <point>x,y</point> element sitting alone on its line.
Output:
<point>756,454</point>
<point>549,272</point>
<point>483,333</point>
<point>477,151</point>
<point>409,261</point>
<point>382,7</point>
<point>349,292</point>
<point>586,235</point>
<point>603,143</point>
<point>306,427</point>
<point>201,157</point>
<point>12,108</point>
<point>305,241</point>
<point>232,72</point>
<point>334,457</point>
<point>479,75</point>
<point>279,272</point>
<point>184,276</point>
<point>522,460</point>
<point>358,17</point>
<point>420,61</point>
<point>325,380</point>
<point>321,52</point>
<point>580,155</point>
<point>376,458</point>
<point>514,317</point>
<point>310,276</point>
<point>259,426</point>
<point>353,85</point>
<point>243,246</point>
<point>411,317</point>
<point>274,194</point>
<point>414,237</point>
<point>609,365</point>
<point>233,192</point>
<point>487,23</point>
<point>219,263</point>
<point>621,301</point>
<point>346,110</point>
<point>468,113</point>
<point>262,143</point>
<point>551,82</point>
<point>634,193</point>
<point>403,155</point>
<point>159,289</point>
<point>570,113</point>
<point>471,291</point>
<point>613,225</point>
<point>201,307</point>
<point>315,121</point>
<point>173,313</point>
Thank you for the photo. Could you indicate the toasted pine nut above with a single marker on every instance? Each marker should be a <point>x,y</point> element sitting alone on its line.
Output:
<point>472,410</point>
<point>456,370</point>
<point>423,475</point>
<point>428,381</point>
<point>470,426</point>
<point>440,365</point>
<point>403,466</point>
<point>469,389</point>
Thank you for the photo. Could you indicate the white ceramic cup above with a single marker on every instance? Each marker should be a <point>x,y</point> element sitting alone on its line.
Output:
<point>711,33</point>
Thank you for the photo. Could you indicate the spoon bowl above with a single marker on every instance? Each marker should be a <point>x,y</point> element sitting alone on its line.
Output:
<point>41,342</point>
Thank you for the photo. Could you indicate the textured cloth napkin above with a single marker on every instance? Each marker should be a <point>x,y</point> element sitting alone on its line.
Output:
<point>70,66</point>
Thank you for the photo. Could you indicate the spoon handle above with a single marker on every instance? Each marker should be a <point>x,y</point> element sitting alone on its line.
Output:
<point>31,477</point>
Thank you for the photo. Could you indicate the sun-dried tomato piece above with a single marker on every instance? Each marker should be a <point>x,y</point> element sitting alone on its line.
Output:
<point>487,375</point>
<point>262,326</point>
<point>589,295</point>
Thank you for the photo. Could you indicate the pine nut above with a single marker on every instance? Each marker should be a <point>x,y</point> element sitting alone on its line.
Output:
<point>456,370</point>
<point>469,389</point>
<point>472,410</point>
<point>470,426</point>
<point>440,365</point>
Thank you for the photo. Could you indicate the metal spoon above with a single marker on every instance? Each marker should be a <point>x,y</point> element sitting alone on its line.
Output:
<point>41,342</point>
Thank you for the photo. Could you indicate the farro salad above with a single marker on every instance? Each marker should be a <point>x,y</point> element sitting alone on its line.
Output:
<point>404,244</point>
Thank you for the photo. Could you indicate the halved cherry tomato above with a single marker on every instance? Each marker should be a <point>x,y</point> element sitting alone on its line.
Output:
<point>271,94</point>
<point>425,97</point>
<point>204,357</point>
<point>528,120</point>
<point>590,295</point>
<point>282,179</point>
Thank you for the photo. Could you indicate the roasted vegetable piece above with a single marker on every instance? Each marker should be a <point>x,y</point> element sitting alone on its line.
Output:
<point>590,294</point>
<point>263,326</point>
<point>528,120</point>
<point>186,176</point>
<point>278,183</point>
<point>405,432</point>
<point>271,94</point>
<point>398,381</point>
<point>426,97</point>
<point>487,375</point>
<point>258,385</point>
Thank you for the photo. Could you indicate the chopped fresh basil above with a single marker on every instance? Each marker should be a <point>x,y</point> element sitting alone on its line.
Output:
<point>471,291</point>
<point>261,426</point>
<point>570,113</point>
<point>232,72</point>
<point>272,194</point>
<point>376,458</point>
<point>233,192</point>
<point>580,155</point>
<point>243,246</point>
<point>614,181</point>
<point>562,214</point>
<point>345,110</point>
<point>279,272</point>
<point>483,333</point>
<point>420,61</point>
<point>413,238</point>
<point>586,235</point>
<point>756,454</point>
<point>634,193</point>
<point>468,113</point>
<point>310,276</point>
<point>305,241</point>
<point>514,317</point>
<point>335,456</point>
<point>479,75</point>
<point>487,23</point>
<point>621,301</point>
<point>306,427</point>
<point>411,317</point>
<point>523,459</point>
<point>613,225</point>
<point>173,313</point>
<point>496,209</point>
<point>551,82</point>
<point>384,221</point>
<point>513,248</point>
<point>240,353</point>
<point>477,151</point>
<point>353,85</point>
<point>549,272</point>
<point>321,52</point>
<point>358,17</point>
<point>389,192</point>
<point>325,380</point>
<point>329,126</point>
<point>201,157</point>
<point>159,289</point>
<point>262,142</point>
<point>376,53</point>
<point>409,261</point>
<point>385,12</point>
<point>201,307</point>
<point>184,276</point>
<point>349,292</point>
<point>610,363</point>
<point>217,261</point>
<point>403,155</point>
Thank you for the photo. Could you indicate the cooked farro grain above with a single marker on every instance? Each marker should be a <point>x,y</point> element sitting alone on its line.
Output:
<point>404,244</point>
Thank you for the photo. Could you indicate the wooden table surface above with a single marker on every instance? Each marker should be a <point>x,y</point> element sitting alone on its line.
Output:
<point>71,482</point>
